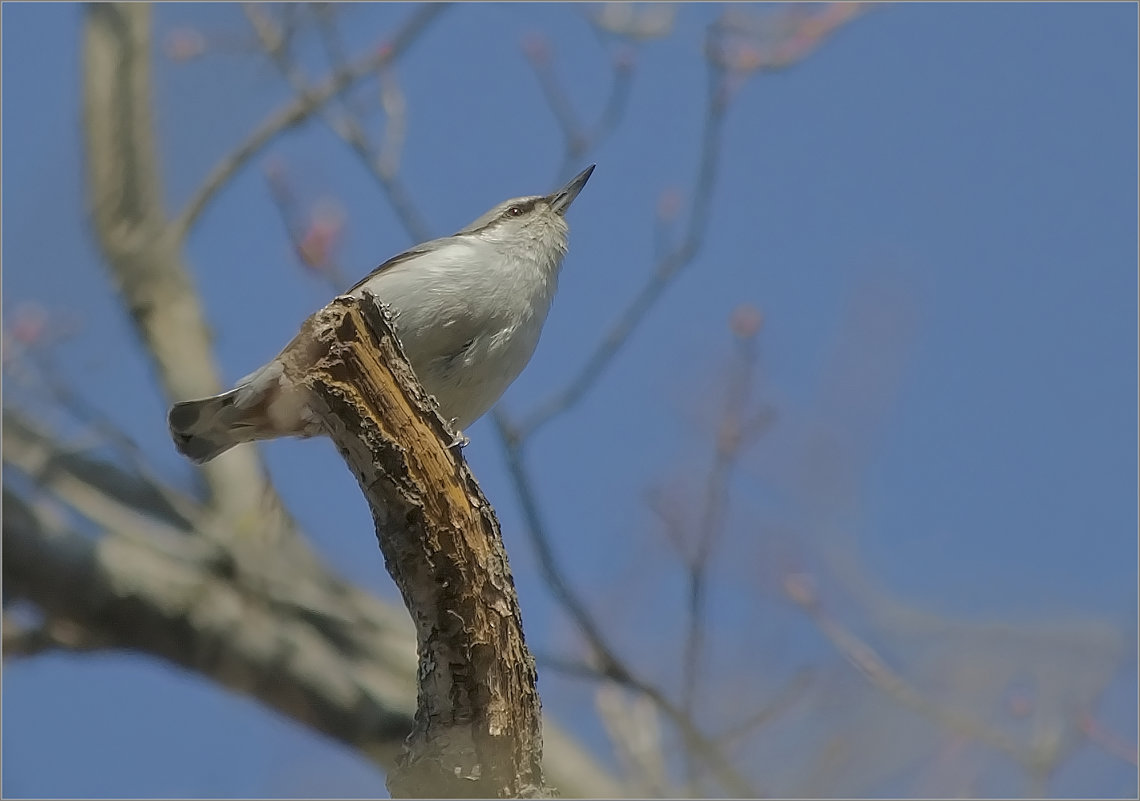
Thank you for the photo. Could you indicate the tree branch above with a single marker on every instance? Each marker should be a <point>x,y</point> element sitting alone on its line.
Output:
<point>301,108</point>
<point>136,598</point>
<point>659,280</point>
<point>381,163</point>
<point>478,727</point>
<point>142,254</point>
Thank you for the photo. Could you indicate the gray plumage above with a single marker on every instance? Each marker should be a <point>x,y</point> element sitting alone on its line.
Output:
<point>469,309</point>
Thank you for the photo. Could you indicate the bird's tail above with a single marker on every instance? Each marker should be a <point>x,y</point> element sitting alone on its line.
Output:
<point>203,429</point>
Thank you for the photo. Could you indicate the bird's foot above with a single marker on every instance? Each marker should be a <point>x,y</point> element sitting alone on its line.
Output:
<point>460,439</point>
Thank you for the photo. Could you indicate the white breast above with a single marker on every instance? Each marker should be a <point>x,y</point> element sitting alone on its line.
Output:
<point>469,320</point>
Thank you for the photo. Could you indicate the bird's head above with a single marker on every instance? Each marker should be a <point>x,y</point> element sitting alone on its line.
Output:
<point>535,223</point>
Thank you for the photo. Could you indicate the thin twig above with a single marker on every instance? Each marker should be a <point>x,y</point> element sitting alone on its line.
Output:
<point>295,230</point>
<point>300,109</point>
<point>666,270</point>
<point>706,748</point>
<point>577,140</point>
<point>86,412</point>
<point>720,89</point>
<point>552,574</point>
<point>381,163</point>
<point>785,698</point>
<point>608,663</point>
<point>398,195</point>
<point>331,39</point>
<point>714,509</point>
<point>618,100</point>
<point>559,103</point>
<point>611,115</point>
<point>395,107</point>
<point>1111,743</point>
<point>721,767</point>
<point>874,668</point>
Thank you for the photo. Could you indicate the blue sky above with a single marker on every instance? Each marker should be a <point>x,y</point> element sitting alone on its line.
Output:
<point>936,213</point>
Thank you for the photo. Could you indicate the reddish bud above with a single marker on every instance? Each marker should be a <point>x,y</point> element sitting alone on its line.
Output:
<point>1020,705</point>
<point>746,321</point>
<point>184,44</point>
<point>728,437</point>
<point>29,324</point>
<point>624,58</point>
<point>274,168</point>
<point>322,235</point>
<point>746,59</point>
<point>537,48</point>
<point>800,588</point>
<point>669,204</point>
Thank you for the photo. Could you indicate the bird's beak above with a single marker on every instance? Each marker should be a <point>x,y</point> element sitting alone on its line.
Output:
<point>561,200</point>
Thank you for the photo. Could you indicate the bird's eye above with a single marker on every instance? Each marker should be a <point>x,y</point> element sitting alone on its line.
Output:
<point>515,211</point>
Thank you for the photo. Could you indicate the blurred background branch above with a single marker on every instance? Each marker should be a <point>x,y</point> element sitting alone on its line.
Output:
<point>192,586</point>
<point>304,106</point>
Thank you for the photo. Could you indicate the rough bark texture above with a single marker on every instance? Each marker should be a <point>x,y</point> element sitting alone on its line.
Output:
<point>478,725</point>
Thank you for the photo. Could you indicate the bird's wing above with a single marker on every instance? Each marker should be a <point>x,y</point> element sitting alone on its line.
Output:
<point>447,320</point>
<point>418,250</point>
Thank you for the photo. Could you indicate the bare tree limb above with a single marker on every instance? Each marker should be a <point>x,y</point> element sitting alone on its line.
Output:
<point>478,726</point>
<point>577,139</point>
<point>71,400</point>
<point>142,254</point>
<point>730,442</point>
<point>290,601</point>
<point>133,597</point>
<point>325,654</point>
<point>37,454</point>
<point>1038,758</point>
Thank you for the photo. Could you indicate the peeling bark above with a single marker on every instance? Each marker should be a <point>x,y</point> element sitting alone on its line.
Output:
<point>478,724</point>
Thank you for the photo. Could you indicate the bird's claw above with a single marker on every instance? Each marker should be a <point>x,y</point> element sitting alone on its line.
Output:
<point>460,440</point>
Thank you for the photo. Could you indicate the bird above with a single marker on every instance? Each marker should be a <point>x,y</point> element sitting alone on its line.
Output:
<point>468,310</point>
